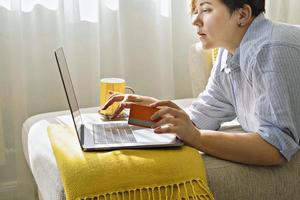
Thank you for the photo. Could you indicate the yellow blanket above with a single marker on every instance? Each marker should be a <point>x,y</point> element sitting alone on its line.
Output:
<point>176,173</point>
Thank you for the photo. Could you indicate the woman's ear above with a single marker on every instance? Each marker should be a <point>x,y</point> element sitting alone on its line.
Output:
<point>244,15</point>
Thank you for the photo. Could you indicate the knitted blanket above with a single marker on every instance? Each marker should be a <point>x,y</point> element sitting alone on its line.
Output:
<point>131,174</point>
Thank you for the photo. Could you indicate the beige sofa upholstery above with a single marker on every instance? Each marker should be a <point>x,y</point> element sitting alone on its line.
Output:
<point>200,64</point>
<point>233,181</point>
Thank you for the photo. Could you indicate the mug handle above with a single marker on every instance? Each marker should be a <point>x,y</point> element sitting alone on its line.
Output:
<point>130,89</point>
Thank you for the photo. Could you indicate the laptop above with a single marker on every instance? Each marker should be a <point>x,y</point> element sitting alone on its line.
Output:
<point>108,135</point>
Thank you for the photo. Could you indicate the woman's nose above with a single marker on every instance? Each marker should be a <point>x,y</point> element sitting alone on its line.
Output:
<point>197,21</point>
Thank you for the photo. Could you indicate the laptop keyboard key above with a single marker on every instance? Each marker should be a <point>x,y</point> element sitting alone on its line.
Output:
<point>113,134</point>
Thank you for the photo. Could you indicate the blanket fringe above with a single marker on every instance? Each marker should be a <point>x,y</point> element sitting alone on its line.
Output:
<point>188,190</point>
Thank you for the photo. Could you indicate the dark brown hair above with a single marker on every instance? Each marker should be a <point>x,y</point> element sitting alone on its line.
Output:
<point>257,6</point>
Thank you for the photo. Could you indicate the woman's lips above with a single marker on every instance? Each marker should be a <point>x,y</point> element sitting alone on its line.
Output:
<point>201,35</point>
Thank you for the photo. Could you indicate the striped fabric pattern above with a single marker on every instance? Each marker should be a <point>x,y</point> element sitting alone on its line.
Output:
<point>259,84</point>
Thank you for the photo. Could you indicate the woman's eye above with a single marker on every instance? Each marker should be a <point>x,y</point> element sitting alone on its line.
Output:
<point>205,10</point>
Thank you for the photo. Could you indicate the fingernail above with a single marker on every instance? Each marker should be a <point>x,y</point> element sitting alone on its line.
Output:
<point>157,130</point>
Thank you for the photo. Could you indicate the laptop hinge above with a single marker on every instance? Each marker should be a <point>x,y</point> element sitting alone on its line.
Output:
<point>82,129</point>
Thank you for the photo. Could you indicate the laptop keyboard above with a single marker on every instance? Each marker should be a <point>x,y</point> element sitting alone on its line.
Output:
<point>113,133</point>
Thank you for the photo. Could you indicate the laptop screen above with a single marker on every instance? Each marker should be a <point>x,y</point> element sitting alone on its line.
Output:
<point>69,90</point>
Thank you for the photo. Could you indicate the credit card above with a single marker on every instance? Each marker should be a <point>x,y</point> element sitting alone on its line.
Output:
<point>140,115</point>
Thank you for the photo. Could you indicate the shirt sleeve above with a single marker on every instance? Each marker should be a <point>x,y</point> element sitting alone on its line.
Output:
<point>277,107</point>
<point>211,108</point>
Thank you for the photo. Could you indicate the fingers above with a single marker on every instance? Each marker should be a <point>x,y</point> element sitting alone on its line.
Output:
<point>164,121</point>
<point>127,104</point>
<point>121,107</point>
<point>165,129</point>
<point>117,97</point>
<point>134,98</point>
<point>113,98</point>
<point>165,103</point>
<point>127,101</point>
<point>118,111</point>
<point>164,111</point>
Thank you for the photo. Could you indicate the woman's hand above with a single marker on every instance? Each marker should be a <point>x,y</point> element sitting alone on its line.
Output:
<point>125,101</point>
<point>172,119</point>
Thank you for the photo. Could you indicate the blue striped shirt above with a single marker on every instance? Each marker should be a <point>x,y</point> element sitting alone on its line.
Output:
<point>259,85</point>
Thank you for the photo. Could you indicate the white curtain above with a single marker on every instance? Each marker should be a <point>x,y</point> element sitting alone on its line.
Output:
<point>283,10</point>
<point>145,42</point>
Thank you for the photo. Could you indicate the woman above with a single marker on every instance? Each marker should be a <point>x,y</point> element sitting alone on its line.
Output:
<point>255,79</point>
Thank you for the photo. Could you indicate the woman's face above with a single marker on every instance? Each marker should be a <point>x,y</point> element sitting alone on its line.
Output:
<point>216,26</point>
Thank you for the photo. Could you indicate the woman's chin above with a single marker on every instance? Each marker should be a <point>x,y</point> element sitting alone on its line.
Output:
<point>206,45</point>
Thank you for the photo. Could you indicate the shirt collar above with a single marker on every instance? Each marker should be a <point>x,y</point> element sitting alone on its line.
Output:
<point>230,62</point>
